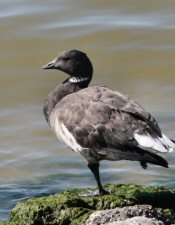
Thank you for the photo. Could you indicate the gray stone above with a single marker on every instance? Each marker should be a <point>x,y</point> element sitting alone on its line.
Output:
<point>137,214</point>
<point>138,220</point>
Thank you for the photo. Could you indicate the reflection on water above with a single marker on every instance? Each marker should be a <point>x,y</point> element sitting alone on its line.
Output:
<point>132,48</point>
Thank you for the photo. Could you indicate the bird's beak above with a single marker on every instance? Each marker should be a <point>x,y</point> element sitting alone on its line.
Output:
<point>50,65</point>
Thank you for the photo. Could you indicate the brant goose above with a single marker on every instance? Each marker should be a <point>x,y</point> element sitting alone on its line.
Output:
<point>100,123</point>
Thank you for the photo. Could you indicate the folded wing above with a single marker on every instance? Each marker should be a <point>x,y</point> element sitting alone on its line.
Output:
<point>110,123</point>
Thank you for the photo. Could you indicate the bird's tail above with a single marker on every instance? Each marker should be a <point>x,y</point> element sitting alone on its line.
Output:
<point>152,158</point>
<point>173,141</point>
<point>133,154</point>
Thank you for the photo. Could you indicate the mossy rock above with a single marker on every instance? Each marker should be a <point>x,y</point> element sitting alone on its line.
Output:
<point>69,208</point>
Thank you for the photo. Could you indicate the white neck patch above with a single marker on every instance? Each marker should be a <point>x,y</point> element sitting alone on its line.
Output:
<point>78,79</point>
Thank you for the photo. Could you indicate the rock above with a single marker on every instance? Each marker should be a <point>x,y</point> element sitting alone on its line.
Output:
<point>141,214</point>
<point>70,208</point>
<point>138,220</point>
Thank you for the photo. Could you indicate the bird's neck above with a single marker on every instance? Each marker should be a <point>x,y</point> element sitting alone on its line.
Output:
<point>67,87</point>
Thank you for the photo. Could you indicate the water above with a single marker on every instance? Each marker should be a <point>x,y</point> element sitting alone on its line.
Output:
<point>131,45</point>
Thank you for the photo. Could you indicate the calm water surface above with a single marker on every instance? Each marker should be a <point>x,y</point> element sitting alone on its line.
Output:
<point>132,46</point>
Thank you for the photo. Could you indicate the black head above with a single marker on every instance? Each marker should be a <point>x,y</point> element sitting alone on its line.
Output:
<point>73,62</point>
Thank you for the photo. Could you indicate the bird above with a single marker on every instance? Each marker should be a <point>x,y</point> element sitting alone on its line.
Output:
<point>99,123</point>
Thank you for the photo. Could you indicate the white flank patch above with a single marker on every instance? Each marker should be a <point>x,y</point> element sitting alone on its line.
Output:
<point>147,142</point>
<point>66,137</point>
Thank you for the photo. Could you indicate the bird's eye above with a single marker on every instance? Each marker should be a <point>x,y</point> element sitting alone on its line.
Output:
<point>66,59</point>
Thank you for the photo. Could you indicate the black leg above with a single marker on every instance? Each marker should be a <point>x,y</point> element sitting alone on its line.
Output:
<point>94,167</point>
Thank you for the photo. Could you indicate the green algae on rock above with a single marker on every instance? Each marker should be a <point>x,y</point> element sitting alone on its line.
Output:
<point>69,207</point>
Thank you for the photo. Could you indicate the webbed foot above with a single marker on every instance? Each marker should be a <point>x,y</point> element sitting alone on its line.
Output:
<point>95,193</point>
